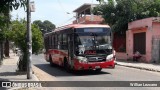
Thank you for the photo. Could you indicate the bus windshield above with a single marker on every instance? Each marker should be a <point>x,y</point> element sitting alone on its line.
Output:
<point>90,43</point>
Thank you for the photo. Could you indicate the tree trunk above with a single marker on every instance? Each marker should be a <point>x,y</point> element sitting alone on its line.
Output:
<point>2,50</point>
<point>1,55</point>
<point>6,51</point>
<point>22,64</point>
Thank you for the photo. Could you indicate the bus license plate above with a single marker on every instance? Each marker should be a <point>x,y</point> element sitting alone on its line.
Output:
<point>97,67</point>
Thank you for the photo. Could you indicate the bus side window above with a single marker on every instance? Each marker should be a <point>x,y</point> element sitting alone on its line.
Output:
<point>65,46</point>
<point>53,41</point>
<point>49,41</point>
<point>60,41</point>
<point>56,42</point>
<point>46,43</point>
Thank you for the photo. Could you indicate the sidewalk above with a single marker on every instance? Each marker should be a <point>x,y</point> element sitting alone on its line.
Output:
<point>8,71</point>
<point>139,65</point>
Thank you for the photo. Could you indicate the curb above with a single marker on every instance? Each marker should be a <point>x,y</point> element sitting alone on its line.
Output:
<point>35,77</point>
<point>40,75</point>
<point>143,68</point>
<point>24,88</point>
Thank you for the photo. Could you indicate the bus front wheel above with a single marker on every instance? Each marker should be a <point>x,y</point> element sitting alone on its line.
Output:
<point>98,70</point>
<point>66,66</point>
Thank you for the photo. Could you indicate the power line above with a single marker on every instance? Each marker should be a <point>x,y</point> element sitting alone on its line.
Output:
<point>66,21</point>
<point>60,4</point>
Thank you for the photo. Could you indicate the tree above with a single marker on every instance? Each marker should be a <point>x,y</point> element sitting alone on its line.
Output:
<point>18,35</point>
<point>4,26</point>
<point>5,7</point>
<point>39,23</point>
<point>11,4</point>
<point>100,1</point>
<point>46,25</point>
<point>118,14</point>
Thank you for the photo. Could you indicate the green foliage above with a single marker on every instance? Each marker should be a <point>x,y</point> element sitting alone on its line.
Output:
<point>118,14</point>
<point>39,23</point>
<point>19,36</point>
<point>4,24</point>
<point>37,40</point>
<point>5,7</point>
<point>2,36</point>
<point>11,4</point>
<point>45,25</point>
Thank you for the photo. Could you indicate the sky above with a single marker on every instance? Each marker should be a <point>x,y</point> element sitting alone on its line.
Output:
<point>59,12</point>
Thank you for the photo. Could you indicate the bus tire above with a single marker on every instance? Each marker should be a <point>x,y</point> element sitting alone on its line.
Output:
<point>98,70</point>
<point>66,65</point>
<point>50,61</point>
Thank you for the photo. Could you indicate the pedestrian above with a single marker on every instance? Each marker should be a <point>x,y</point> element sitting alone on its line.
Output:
<point>137,56</point>
<point>16,51</point>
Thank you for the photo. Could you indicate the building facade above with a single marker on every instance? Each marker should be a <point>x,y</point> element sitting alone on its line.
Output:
<point>84,15</point>
<point>144,36</point>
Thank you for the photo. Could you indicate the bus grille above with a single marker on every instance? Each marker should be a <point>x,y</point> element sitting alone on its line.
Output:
<point>96,59</point>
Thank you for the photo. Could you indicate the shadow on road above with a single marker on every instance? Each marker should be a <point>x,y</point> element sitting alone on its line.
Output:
<point>7,73</point>
<point>59,71</point>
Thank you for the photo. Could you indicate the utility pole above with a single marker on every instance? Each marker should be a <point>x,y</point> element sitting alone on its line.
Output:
<point>92,17</point>
<point>29,42</point>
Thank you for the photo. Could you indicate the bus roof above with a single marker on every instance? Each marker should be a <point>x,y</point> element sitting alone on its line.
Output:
<point>81,26</point>
<point>78,26</point>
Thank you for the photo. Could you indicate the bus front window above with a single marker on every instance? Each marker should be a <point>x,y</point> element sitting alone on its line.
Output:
<point>92,43</point>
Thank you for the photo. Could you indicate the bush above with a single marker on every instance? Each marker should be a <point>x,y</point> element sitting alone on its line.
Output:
<point>18,36</point>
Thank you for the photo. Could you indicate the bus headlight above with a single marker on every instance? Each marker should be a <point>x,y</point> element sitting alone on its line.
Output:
<point>109,57</point>
<point>82,59</point>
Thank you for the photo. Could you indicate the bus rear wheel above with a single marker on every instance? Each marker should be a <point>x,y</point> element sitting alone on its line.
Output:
<point>50,61</point>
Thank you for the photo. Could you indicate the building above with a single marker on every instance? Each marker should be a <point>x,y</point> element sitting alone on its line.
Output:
<point>84,15</point>
<point>143,36</point>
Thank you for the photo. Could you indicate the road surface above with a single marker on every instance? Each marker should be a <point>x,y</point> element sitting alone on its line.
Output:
<point>120,73</point>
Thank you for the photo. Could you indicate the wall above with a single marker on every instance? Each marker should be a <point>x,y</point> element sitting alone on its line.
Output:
<point>129,41</point>
<point>156,42</point>
<point>119,42</point>
<point>144,25</point>
<point>89,20</point>
<point>151,26</point>
<point>140,23</point>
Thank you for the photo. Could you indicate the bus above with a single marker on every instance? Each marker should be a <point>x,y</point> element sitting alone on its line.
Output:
<point>80,47</point>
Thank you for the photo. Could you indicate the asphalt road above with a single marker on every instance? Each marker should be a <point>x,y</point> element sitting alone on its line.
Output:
<point>120,73</point>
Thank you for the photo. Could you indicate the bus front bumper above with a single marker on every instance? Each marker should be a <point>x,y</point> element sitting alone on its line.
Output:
<point>94,65</point>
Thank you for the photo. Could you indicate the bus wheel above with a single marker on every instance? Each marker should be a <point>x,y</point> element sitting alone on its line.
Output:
<point>50,61</point>
<point>98,70</point>
<point>66,66</point>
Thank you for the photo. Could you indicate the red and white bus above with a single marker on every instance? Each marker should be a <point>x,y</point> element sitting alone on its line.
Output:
<point>80,47</point>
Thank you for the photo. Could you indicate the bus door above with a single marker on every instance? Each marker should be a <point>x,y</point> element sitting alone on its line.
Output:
<point>70,48</point>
